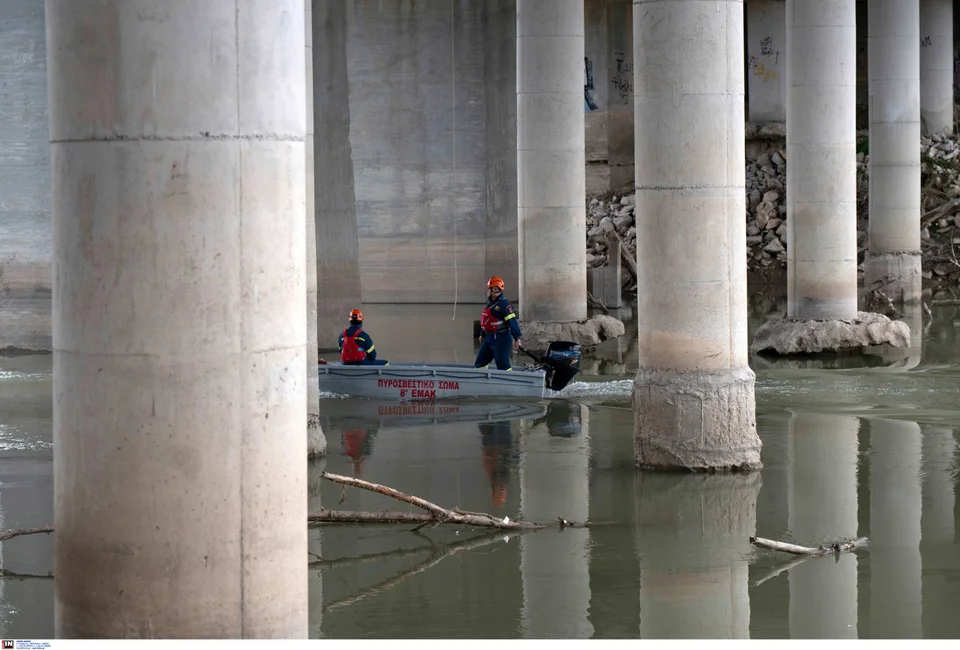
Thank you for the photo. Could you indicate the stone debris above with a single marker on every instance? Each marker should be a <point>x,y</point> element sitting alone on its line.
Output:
<point>766,212</point>
<point>785,336</point>
<point>589,333</point>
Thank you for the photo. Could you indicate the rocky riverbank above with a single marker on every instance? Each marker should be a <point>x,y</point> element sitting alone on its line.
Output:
<point>765,218</point>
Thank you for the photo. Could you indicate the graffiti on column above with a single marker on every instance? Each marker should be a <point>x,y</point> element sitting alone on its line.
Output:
<point>588,103</point>
<point>925,42</point>
<point>622,78</point>
<point>766,64</point>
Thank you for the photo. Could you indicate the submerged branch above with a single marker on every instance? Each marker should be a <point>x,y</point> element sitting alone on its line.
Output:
<point>435,557</point>
<point>814,551</point>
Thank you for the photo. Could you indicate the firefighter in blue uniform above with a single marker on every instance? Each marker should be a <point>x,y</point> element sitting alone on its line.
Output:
<point>500,328</point>
<point>356,346</point>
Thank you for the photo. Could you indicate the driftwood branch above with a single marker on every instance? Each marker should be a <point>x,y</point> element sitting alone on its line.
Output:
<point>10,534</point>
<point>595,302</point>
<point>944,303</point>
<point>812,551</point>
<point>625,255</point>
<point>437,516</point>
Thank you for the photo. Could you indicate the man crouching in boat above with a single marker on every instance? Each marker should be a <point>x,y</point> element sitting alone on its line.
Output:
<point>356,346</point>
<point>500,327</point>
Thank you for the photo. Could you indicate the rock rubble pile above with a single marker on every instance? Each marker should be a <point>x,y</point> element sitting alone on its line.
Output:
<point>766,212</point>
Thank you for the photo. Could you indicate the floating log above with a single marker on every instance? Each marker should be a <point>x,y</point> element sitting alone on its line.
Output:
<point>814,551</point>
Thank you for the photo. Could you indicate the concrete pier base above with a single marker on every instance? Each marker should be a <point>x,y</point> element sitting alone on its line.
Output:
<point>179,319</point>
<point>787,336</point>
<point>893,52</point>
<point>696,420</point>
<point>551,171</point>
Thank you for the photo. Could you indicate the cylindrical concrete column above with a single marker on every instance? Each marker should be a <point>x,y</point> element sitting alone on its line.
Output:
<point>936,66</point>
<point>551,161</point>
<point>316,441</point>
<point>179,318</point>
<point>692,538</point>
<point>822,182</point>
<point>893,68</point>
<point>822,498</point>
<point>693,396</point>
<point>554,481</point>
<point>896,567</point>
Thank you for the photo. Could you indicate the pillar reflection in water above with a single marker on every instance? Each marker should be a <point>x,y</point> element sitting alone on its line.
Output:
<point>938,527</point>
<point>822,497</point>
<point>555,565</point>
<point>692,537</point>
<point>315,470</point>
<point>895,507</point>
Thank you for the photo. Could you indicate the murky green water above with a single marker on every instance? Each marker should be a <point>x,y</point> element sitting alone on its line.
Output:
<point>858,447</point>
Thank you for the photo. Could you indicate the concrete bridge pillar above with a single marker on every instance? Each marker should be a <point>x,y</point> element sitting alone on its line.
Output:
<point>822,499</point>
<point>896,608</point>
<point>555,565</point>
<point>693,396</point>
<point>692,538</point>
<point>551,172</point>
<point>316,441</point>
<point>338,247</point>
<point>179,326</point>
<point>822,182</point>
<point>936,66</point>
<point>893,68</point>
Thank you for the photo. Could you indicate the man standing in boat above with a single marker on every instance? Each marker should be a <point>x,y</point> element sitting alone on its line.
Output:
<point>500,328</point>
<point>356,346</point>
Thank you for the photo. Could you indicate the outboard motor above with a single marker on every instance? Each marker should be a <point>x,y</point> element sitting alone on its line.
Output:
<point>562,363</point>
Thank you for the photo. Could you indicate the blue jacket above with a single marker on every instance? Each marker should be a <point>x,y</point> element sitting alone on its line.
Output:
<point>503,310</point>
<point>364,341</point>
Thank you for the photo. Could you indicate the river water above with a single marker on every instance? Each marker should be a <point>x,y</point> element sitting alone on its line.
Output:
<point>861,446</point>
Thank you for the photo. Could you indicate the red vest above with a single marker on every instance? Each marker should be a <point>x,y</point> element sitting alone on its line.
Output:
<point>487,322</point>
<point>351,352</point>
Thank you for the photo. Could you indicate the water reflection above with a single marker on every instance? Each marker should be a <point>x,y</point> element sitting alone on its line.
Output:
<point>823,508</point>
<point>692,536</point>
<point>554,483</point>
<point>848,451</point>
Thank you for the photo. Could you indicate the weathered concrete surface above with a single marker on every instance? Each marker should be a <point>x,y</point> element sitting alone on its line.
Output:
<point>793,336</point>
<point>416,95</point>
<point>695,420</point>
<point>693,397</point>
<point>316,441</point>
<point>26,247</point>
<point>767,60</point>
<point>587,333</point>
<point>893,43</point>
<point>338,262</point>
<point>179,318</point>
<point>692,540</point>
<point>936,66</point>
<point>551,216</point>
<point>500,142</point>
<point>822,157</point>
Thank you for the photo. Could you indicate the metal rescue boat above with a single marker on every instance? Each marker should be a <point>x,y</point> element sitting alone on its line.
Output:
<point>417,380</point>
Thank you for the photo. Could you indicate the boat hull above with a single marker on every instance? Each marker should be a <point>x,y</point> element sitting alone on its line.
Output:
<point>429,381</point>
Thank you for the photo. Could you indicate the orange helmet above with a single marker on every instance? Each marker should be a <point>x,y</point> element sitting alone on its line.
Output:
<point>495,282</point>
<point>356,314</point>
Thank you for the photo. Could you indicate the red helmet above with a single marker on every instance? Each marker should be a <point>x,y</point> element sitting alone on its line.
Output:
<point>495,282</point>
<point>356,314</point>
